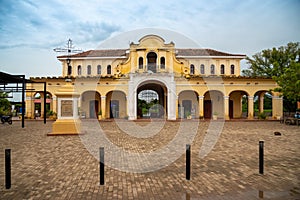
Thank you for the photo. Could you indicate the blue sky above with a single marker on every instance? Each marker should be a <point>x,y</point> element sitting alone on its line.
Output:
<point>31,29</point>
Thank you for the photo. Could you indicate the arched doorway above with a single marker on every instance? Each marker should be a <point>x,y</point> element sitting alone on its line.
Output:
<point>37,104</point>
<point>151,100</point>
<point>188,104</point>
<point>116,104</point>
<point>238,104</point>
<point>49,104</point>
<point>90,104</point>
<point>213,104</point>
<point>263,104</point>
<point>151,62</point>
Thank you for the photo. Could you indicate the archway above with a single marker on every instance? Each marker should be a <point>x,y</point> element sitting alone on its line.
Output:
<point>151,62</point>
<point>262,104</point>
<point>188,104</point>
<point>49,103</point>
<point>116,104</point>
<point>37,104</point>
<point>90,104</point>
<point>152,101</point>
<point>238,104</point>
<point>213,104</point>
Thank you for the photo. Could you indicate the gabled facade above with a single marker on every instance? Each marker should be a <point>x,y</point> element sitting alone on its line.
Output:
<point>185,82</point>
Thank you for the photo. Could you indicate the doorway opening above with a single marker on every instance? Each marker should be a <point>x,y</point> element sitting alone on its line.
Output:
<point>151,101</point>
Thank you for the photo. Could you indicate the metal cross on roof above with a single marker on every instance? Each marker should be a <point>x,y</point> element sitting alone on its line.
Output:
<point>68,49</point>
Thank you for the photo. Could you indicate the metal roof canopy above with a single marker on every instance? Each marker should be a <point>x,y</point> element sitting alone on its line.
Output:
<point>17,83</point>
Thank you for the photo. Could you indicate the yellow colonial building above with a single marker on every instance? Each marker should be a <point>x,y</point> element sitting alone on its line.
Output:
<point>185,83</point>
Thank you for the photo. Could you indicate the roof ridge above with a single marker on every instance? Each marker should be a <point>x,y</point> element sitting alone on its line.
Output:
<point>204,52</point>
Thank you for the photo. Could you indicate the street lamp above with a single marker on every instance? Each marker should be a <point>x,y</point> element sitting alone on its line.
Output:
<point>69,69</point>
<point>69,50</point>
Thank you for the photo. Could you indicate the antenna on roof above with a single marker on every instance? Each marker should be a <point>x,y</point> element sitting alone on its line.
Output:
<point>68,49</point>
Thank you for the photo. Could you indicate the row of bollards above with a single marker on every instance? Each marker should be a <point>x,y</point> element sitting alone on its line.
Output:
<point>102,164</point>
<point>187,161</point>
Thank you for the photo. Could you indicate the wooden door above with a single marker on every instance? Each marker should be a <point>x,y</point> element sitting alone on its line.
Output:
<point>93,109</point>
<point>231,109</point>
<point>207,109</point>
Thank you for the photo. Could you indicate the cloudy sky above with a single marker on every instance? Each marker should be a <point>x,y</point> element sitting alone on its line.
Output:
<point>31,29</point>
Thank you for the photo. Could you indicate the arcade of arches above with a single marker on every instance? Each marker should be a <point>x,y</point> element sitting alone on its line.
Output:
<point>184,83</point>
<point>199,102</point>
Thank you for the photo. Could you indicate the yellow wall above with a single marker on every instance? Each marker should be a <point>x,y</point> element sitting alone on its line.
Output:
<point>228,85</point>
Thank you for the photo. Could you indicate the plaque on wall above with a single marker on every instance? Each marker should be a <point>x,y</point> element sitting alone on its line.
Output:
<point>66,108</point>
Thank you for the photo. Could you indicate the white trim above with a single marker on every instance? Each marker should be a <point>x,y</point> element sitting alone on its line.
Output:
<point>91,58</point>
<point>200,85</point>
<point>136,81</point>
<point>125,57</point>
<point>181,56</point>
<point>74,105</point>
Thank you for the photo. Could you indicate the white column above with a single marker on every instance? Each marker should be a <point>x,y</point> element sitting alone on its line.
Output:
<point>277,107</point>
<point>250,107</point>
<point>172,99</point>
<point>226,107</point>
<point>171,105</point>
<point>75,108</point>
<point>131,104</point>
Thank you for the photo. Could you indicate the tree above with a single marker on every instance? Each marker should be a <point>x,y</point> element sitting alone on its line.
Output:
<point>4,104</point>
<point>283,65</point>
<point>289,82</point>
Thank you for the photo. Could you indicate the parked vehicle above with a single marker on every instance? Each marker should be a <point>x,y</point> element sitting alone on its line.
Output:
<point>295,120</point>
<point>6,118</point>
<point>297,115</point>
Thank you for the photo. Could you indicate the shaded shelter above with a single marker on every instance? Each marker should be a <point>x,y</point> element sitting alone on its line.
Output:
<point>17,83</point>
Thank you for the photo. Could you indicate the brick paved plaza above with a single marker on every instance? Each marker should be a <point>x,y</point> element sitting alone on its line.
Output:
<point>67,167</point>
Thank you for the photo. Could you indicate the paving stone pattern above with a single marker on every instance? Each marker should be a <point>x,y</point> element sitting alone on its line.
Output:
<point>64,167</point>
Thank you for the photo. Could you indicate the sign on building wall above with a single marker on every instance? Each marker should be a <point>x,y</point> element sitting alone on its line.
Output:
<point>66,108</point>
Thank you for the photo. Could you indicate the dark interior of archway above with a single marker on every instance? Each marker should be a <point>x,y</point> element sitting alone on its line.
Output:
<point>157,110</point>
<point>151,65</point>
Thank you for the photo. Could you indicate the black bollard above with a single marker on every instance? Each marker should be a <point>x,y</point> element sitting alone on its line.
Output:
<point>101,162</point>
<point>7,169</point>
<point>188,161</point>
<point>261,157</point>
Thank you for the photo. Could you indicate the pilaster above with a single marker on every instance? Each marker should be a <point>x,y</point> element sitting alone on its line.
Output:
<point>250,107</point>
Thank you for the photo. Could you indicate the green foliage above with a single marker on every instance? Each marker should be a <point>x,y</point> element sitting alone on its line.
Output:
<point>289,106</point>
<point>262,115</point>
<point>289,82</point>
<point>282,64</point>
<point>51,113</point>
<point>5,106</point>
<point>144,106</point>
<point>244,104</point>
